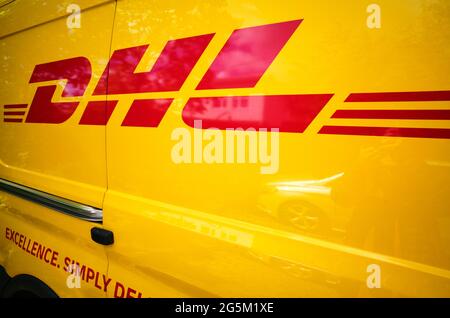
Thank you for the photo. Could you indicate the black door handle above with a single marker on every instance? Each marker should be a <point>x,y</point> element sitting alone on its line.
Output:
<point>102,236</point>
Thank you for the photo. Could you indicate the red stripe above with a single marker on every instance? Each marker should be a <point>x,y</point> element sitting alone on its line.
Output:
<point>146,112</point>
<point>98,112</point>
<point>400,97</point>
<point>288,113</point>
<point>15,106</point>
<point>246,55</point>
<point>168,74</point>
<point>435,114</point>
<point>13,113</point>
<point>12,120</point>
<point>386,131</point>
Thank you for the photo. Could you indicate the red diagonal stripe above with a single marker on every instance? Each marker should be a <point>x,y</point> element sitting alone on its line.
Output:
<point>288,113</point>
<point>246,55</point>
<point>434,114</point>
<point>429,96</point>
<point>146,112</point>
<point>98,112</point>
<point>14,106</point>
<point>386,131</point>
<point>13,113</point>
<point>168,74</point>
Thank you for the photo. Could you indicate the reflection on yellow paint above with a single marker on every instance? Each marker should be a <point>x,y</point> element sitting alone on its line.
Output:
<point>203,227</point>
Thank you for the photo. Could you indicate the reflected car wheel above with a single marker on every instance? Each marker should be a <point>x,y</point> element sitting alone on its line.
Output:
<point>304,216</point>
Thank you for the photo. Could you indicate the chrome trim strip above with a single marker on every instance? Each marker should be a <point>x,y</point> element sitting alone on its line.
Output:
<point>54,202</point>
<point>6,3</point>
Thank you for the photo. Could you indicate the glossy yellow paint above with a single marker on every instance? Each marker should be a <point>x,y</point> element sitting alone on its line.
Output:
<point>67,160</point>
<point>337,205</point>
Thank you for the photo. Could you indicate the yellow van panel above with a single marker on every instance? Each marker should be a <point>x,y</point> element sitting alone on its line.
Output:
<point>18,15</point>
<point>336,205</point>
<point>46,244</point>
<point>349,105</point>
<point>67,160</point>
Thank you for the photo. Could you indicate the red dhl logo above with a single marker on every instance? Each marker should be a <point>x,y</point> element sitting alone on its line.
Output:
<point>241,63</point>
